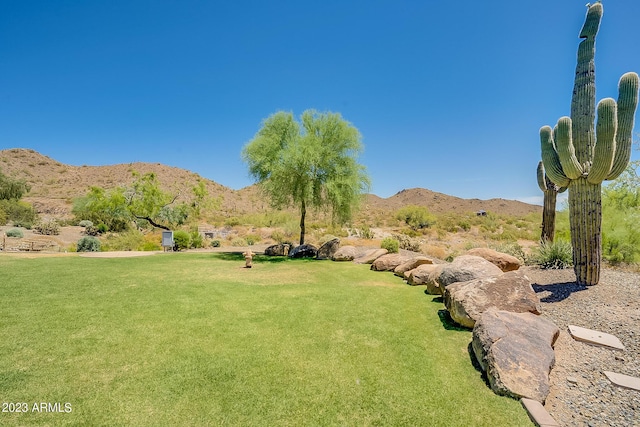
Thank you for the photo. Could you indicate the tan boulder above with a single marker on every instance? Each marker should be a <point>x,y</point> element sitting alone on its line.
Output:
<point>465,268</point>
<point>388,262</point>
<point>512,291</point>
<point>504,262</point>
<point>345,253</point>
<point>426,275</point>
<point>516,352</point>
<point>369,256</point>
<point>411,264</point>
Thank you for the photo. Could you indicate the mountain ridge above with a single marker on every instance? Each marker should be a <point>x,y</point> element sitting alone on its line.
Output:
<point>54,185</point>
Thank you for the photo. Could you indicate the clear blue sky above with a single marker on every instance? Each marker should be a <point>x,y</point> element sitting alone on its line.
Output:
<point>448,95</point>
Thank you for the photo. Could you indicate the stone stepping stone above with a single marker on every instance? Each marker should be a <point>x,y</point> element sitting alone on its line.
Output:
<point>623,380</point>
<point>538,413</point>
<point>595,337</point>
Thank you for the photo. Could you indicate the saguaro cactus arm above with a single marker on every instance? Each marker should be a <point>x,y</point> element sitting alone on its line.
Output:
<point>566,152</point>
<point>605,147</point>
<point>627,104</point>
<point>550,158</point>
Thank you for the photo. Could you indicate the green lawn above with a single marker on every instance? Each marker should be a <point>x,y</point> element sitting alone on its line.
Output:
<point>194,339</point>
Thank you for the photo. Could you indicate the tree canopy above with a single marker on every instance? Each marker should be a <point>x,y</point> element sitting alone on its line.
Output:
<point>309,164</point>
<point>12,189</point>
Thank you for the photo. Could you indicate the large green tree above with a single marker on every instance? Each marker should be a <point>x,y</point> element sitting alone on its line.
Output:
<point>309,164</point>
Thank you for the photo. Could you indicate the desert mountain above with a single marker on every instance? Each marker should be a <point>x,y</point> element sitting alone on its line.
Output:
<point>54,186</point>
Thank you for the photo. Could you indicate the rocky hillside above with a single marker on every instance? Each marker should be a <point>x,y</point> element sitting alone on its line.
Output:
<point>54,186</point>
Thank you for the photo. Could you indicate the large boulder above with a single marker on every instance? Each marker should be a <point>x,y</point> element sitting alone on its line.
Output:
<point>466,301</point>
<point>426,275</point>
<point>303,251</point>
<point>504,262</point>
<point>516,352</point>
<point>465,268</point>
<point>388,262</point>
<point>369,256</point>
<point>345,253</point>
<point>411,264</point>
<point>328,249</point>
<point>280,249</point>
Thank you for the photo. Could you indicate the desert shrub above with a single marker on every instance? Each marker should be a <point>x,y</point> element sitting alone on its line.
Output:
<point>252,239</point>
<point>390,244</point>
<point>406,242</point>
<point>181,239</point>
<point>465,225</point>
<point>102,228</point>
<point>232,222</point>
<point>85,223</point>
<point>364,232</point>
<point>20,214</point>
<point>3,216</point>
<point>151,242</point>
<point>15,232</point>
<point>416,217</point>
<point>91,230</point>
<point>215,243</point>
<point>553,255</point>
<point>130,240</point>
<point>48,228</point>
<point>513,249</point>
<point>238,242</point>
<point>278,236</point>
<point>88,244</point>
<point>196,240</point>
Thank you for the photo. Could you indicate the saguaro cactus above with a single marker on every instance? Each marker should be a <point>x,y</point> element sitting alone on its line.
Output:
<point>550,190</point>
<point>580,155</point>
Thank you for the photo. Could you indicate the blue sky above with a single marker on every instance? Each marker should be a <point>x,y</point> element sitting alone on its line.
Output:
<point>448,95</point>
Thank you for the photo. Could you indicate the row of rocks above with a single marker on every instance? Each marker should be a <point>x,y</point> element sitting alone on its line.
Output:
<point>482,290</point>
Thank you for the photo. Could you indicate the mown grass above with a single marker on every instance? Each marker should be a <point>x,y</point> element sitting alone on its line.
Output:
<point>194,339</point>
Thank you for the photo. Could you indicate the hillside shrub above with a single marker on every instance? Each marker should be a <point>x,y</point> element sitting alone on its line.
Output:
<point>15,232</point>
<point>390,244</point>
<point>252,239</point>
<point>88,244</point>
<point>196,240</point>
<point>215,243</point>
<point>416,217</point>
<point>406,242</point>
<point>85,223</point>
<point>554,255</point>
<point>181,239</point>
<point>130,240</point>
<point>238,242</point>
<point>20,214</point>
<point>278,236</point>
<point>48,228</point>
<point>3,216</point>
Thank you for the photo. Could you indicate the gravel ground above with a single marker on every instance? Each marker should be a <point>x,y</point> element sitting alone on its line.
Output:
<point>581,395</point>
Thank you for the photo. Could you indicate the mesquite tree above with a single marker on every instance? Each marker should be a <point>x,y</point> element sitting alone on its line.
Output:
<point>309,165</point>
<point>550,190</point>
<point>580,155</point>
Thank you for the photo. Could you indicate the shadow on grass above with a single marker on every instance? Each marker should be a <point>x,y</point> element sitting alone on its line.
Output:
<point>448,323</point>
<point>558,291</point>
<point>237,256</point>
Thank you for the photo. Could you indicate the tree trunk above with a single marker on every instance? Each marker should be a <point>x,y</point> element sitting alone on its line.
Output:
<point>303,212</point>
<point>585,213</point>
<point>549,216</point>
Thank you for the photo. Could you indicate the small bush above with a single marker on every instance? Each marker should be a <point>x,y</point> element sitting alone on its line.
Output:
<point>554,255</point>
<point>90,230</point>
<point>416,217</point>
<point>215,243</point>
<point>232,222</point>
<point>405,242</point>
<point>181,239</point>
<point>196,240</point>
<point>85,223</point>
<point>102,228</point>
<point>278,236</point>
<point>390,244</point>
<point>48,228</point>
<point>365,232</point>
<point>15,232</point>
<point>238,242</point>
<point>88,244</point>
<point>130,240</point>
<point>252,239</point>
